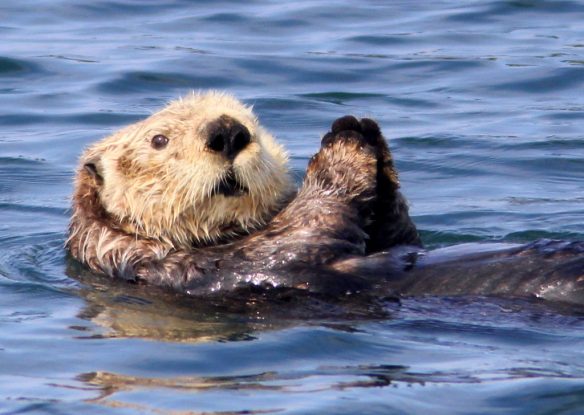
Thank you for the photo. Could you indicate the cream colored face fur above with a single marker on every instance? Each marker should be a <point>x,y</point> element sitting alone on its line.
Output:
<point>169,194</point>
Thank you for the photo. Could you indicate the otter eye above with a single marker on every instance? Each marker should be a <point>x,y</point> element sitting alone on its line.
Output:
<point>159,141</point>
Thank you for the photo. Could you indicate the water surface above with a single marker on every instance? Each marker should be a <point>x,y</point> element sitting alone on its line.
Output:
<point>483,105</point>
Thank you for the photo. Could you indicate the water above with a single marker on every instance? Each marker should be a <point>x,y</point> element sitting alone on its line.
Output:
<point>482,102</point>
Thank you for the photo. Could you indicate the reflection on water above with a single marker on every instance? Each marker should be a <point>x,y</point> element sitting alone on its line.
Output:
<point>119,390</point>
<point>127,310</point>
<point>324,378</point>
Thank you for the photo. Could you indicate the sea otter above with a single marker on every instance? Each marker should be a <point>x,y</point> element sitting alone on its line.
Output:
<point>158,201</point>
<point>197,198</point>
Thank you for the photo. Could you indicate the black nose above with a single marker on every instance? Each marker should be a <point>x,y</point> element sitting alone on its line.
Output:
<point>228,136</point>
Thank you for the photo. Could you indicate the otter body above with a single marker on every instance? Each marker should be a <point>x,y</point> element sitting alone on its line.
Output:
<point>147,198</point>
<point>197,198</point>
<point>550,270</point>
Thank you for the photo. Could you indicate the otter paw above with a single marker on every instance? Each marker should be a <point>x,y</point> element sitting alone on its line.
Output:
<point>371,133</point>
<point>360,140</point>
<point>344,137</point>
<point>346,123</point>
<point>366,127</point>
<point>346,165</point>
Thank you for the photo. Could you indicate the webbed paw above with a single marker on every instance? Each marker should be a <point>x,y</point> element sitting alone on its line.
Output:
<point>371,133</point>
<point>391,224</point>
<point>346,129</point>
<point>346,164</point>
<point>365,127</point>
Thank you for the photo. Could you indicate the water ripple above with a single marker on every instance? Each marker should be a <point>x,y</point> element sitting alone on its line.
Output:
<point>10,67</point>
<point>554,80</point>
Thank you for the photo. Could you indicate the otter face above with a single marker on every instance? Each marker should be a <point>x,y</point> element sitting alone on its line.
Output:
<point>200,170</point>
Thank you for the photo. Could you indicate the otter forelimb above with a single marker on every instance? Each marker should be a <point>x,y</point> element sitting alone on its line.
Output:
<point>324,222</point>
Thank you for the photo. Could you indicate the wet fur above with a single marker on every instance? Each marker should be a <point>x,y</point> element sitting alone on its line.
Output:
<point>347,230</point>
<point>298,248</point>
<point>165,195</point>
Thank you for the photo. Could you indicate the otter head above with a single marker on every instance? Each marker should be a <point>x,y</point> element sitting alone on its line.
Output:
<point>197,172</point>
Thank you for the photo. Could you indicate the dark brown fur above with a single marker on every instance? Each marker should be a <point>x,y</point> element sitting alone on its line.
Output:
<point>327,221</point>
<point>347,230</point>
<point>391,224</point>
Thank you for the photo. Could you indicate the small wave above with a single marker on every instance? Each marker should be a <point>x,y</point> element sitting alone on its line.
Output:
<point>18,171</point>
<point>137,82</point>
<point>18,67</point>
<point>555,79</point>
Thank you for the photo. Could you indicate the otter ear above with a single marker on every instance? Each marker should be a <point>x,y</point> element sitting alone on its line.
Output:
<point>94,168</point>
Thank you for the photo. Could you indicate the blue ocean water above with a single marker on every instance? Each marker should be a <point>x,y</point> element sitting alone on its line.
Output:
<point>483,105</point>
